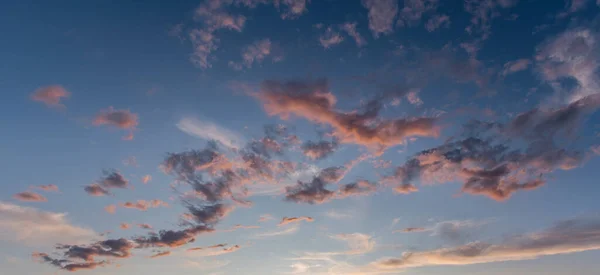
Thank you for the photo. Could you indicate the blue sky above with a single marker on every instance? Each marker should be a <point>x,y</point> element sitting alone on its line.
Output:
<point>300,137</point>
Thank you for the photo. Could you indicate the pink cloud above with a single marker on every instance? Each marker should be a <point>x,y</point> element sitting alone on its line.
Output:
<point>51,95</point>
<point>29,197</point>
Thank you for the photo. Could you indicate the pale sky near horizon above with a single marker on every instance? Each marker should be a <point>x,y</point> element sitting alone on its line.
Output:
<point>359,137</point>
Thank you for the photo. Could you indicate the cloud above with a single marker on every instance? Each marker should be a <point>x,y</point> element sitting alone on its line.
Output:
<point>214,250</point>
<point>48,187</point>
<point>76,257</point>
<point>130,161</point>
<point>110,209</point>
<point>358,188</point>
<point>172,238</point>
<point>516,66</point>
<point>51,96</point>
<point>143,205</point>
<point>291,220</point>
<point>280,232</point>
<point>330,38</point>
<point>64,264</point>
<point>209,131</point>
<point>265,217</point>
<point>571,55</point>
<point>350,29</point>
<point>413,229</point>
<point>161,254</point>
<point>338,215</point>
<point>381,15</point>
<point>314,191</point>
<point>124,226</point>
<point>413,11</point>
<point>570,236</point>
<point>96,190</point>
<point>29,197</point>
<point>144,226</point>
<point>146,179</point>
<point>35,227</point>
<point>313,101</point>
<point>254,53</point>
<point>122,119</point>
<point>437,21</point>
<point>320,149</point>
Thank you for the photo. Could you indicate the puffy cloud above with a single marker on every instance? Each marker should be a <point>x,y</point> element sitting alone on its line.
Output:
<point>111,209</point>
<point>437,21</point>
<point>381,15</point>
<point>110,179</point>
<point>96,190</point>
<point>314,191</point>
<point>319,150</point>
<point>516,66</point>
<point>482,14</point>
<point>570,236</point>
<point>146,179</point>
<point>314,102</point>
<point>143,205</point>
<point>290,220</point>
<point>173,238</point>
<point>572,55</point>
<point>48,187</point>
<point>350,29</point>
<point>292,9</point>
<point>330,38</point>
<point>123,119</point>
<point>51,96</point>
<point>29,196</point>
<point>124,226</point>
<point>359,188</point>
<point>34,227</point>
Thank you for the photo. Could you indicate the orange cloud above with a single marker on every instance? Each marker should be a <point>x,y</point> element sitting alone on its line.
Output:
<point>290,220</point>
<point>29,197</point>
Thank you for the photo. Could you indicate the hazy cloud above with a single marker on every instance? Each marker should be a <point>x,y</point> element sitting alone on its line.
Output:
<point>51,96</point>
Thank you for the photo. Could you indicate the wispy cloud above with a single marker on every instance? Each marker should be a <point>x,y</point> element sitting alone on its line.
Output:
<point>286,231</point>
<point>210,131</point>
<point>32,226</point>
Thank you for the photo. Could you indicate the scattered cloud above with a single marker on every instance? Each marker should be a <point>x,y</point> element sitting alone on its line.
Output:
<point>29,197</point>
<point>381,15</point>
<point>111,209</point>
<point>48,187</point>
<point>210,131</point>
<point>143,205</point>
<point>330,38</point>
<point>122,119</point>
<point>51,96</point>
<point>291,220</point>
<point>146,179</point>
<point>279,232</point>
<point>516,66</point>
<point>35,227</point>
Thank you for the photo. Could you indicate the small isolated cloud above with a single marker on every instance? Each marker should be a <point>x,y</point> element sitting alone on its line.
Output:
<point>338,215</point>
<point>48,187</point>
<point>122,119</point>
<point>210,131</point>
<point>51,96</point>
<point>144,226</point>
<point>330,38</point>
<point>29,197</point>
<point>35,227</point>
<point>160,254</point>
<point>111,209</point>
<point>146,179</point>
<point>413,229</point>
<point>143,205</point>
<point>290,220</point>
<point>111,179</point>
<point>516,66</point>
<point>286,231</point>
<point>124,226</point>
<point>381,15</point>
<point>265,217</point>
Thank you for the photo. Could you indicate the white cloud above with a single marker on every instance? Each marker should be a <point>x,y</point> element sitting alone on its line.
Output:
<point>210,131</point>
<point>34,227</point>
<point>338,215</point>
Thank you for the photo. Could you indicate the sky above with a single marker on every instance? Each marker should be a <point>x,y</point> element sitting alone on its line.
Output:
<point>359,137</point>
